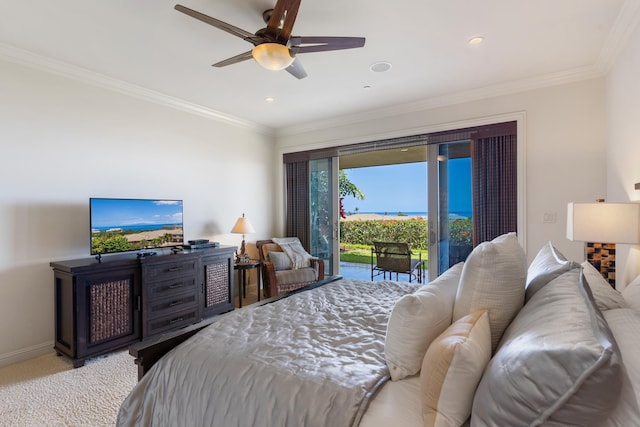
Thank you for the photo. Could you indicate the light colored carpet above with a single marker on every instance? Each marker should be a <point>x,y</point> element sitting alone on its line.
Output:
<point>47,391</point>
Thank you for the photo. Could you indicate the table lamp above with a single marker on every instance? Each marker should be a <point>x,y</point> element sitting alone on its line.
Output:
<point>595,223</point>
<point>242,226</point>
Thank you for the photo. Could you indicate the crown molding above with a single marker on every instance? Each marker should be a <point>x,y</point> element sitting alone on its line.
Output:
<point>626,22</point>
<point>49,65</point>
<point>508,88</point>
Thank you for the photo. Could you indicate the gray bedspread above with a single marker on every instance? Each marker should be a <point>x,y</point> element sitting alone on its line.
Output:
<point>313,359</point>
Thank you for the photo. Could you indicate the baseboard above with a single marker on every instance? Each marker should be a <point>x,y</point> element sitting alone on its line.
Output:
<point>25,354</point>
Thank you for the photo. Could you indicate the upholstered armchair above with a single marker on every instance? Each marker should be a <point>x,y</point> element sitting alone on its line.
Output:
<point>278,272</point>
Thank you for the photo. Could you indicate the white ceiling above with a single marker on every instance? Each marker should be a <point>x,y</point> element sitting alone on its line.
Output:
<point>149,49</point>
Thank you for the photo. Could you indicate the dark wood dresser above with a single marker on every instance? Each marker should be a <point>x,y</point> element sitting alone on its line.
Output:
<point>103,306</point>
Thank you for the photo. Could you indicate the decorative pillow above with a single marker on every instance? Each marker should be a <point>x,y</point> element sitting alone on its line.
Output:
<point>631,294</point>
<point>548,264</point>
<point>625,324</point>
<point>452,369</point>
<point>280,261</point>
<point>493,279</point>
<point>292,246</point>
<point>606,297</point>
<point>416,320</point>
<point>557,363</point>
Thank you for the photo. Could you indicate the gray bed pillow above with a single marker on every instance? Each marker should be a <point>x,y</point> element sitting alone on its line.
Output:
<point>548,264</point>
<point>557,363</point>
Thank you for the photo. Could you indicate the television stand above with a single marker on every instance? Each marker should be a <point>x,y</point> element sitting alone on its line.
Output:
<point>101,306</point>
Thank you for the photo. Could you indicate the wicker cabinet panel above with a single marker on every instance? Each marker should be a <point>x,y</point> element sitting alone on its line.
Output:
<point>218,284</point>
<point>110,310</point>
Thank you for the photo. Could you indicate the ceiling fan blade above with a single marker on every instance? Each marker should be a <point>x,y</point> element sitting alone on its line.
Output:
<point>323,44</point>
<point>234,59</point>
<point>296,69</point>
<point>231,29</point>
<point>284,11</point>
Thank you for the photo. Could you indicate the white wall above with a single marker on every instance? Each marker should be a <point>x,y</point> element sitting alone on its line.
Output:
<point>565,147</point>
<point>64,141</point>
<point>623,145</point>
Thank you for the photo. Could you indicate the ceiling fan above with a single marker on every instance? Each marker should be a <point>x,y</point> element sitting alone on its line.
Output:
<point>274,46</point>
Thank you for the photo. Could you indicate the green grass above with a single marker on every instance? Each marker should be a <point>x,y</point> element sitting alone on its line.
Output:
<point>362,254</point>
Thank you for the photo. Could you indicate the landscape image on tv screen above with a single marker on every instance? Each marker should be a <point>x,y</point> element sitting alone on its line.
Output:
<point>122,225</point>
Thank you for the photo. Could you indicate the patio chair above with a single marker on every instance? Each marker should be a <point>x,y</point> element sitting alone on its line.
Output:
<point>394,257</point>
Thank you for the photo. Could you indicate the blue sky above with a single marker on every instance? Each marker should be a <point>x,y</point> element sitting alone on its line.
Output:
<point>403,188</point>
<point>121,212</point>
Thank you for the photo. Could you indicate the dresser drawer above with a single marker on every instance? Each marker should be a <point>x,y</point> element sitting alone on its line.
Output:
<point>175,320</point>
<point>168,270</point>
<point>171,288</point>
<point>168,306</point>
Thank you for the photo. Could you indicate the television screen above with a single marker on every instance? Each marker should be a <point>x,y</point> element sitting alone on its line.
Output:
<point>121,225</point>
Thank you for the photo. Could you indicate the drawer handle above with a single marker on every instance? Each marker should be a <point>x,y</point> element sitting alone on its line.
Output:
<point>176,320</point>
<point>174,303</point>
<point>177,268</point>
<point>176,285</point>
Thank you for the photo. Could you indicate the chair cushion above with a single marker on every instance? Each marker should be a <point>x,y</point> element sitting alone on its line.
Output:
<point>557,363</point>
<point>493,279</point>
<point>548,264</point>
<point>300,275</point>
<point>416,320</point>
<point>452,369</point>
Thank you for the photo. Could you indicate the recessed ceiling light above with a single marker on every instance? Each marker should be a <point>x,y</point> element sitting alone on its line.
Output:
<point>269,99</point>
<point>380,67</point>
<point>476,40</point>
<point>404,150</point>
<point>366,87</point>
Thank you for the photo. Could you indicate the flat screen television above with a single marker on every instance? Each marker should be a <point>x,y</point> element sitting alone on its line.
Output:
<point>122,225</point>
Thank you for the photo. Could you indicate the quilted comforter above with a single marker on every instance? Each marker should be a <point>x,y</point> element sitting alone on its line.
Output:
<point>312,359</point>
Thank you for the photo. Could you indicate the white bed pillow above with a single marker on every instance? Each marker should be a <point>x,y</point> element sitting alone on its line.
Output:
<point>606,297</point>
<point>452,369</point>
<point>548,264</point>
<point>493,279</point>
<point>416,320</point>
<point>625,324</point>
<point>631,294</point>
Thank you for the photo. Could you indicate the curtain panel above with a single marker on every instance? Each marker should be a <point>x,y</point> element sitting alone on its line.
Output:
<point>298,216</point>
<point>494,180</point>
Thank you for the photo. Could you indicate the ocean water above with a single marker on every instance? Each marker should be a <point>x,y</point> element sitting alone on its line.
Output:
<point>453,215</point>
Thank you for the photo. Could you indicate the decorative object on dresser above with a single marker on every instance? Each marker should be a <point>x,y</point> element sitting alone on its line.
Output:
<point>242,226</point>
<point>601,225</point>
<point>103,305</point>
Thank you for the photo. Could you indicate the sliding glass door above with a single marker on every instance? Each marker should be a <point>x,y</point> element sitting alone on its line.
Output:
<point>323,184</point>
<point>450,201</point>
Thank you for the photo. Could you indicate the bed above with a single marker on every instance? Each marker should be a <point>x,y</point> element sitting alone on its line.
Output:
<point>315,358</point>
<point>452,352</point>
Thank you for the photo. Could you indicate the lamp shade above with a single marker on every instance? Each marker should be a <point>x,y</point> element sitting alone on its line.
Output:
<point>242,226</point>
<point>604,222</point>
<point>272,56</point>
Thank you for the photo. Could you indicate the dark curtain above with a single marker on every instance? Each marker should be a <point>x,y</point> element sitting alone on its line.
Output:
<point>494,175</point>
<point>297,209</point>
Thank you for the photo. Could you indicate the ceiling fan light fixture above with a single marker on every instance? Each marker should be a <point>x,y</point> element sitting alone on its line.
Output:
<point>272,56</point>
